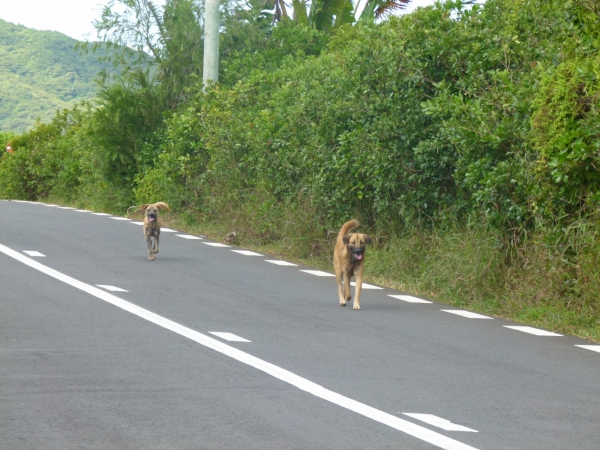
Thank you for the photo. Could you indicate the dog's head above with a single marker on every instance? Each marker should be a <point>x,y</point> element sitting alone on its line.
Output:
<point>151,210</point>
<point>356,244</point>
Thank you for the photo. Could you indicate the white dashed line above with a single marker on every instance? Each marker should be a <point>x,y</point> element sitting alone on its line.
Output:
<point>365,285</point>
<point>229,336</point>
<point>216,244</point>
<point>280,263</point>
<point>33,253</point>
<point>168,230</point>
<point>419,432</point>
<point>318,273</point>
<point>531,330</point>
<point>247,253</point>
<point>108,287</point>
<point>81,210</point>
<point>467,314</point>
<point>187,236</point>
<point>100,214</point>
<point>409,299</point>
<point>65,207</point>
<point>594,348</point>
<point>120,218</point>
<point>439,422</point>
<point>137,223</point>
<point>54,206</point>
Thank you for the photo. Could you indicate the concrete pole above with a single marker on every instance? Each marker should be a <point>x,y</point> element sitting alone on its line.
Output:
<point>210,72</point>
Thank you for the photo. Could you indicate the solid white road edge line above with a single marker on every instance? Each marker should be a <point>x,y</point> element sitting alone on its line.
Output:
<point>286,376</point>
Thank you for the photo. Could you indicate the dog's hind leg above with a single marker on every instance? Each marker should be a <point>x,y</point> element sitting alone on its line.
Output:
<point>347,277</point>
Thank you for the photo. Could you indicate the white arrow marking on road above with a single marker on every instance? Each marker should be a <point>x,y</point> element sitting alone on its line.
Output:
<point>108,287</point>
<point>467,314</point>
<point>439,422</point>
<point>531,330</point>
<point>229,336</point>
<point>33,253</point>
<point>286,376</point>
<point>409,299</point>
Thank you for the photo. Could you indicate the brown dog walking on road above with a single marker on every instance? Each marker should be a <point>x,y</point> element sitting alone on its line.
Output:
<point>349,261</point>
<point>152,226</point>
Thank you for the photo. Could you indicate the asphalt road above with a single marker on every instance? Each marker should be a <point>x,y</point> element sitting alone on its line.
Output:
<point>86,367</point>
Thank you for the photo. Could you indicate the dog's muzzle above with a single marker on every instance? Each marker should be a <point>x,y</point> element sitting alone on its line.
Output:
<point>151,218</point>
<point>357,255</point>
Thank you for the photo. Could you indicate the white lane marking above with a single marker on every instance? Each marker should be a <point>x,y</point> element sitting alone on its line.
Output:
<point>247,253</point>
<point>467,314</point>
<point>65,207</point>
<point>594,348</point>
<point>229,336</point>
<point>137,223</point>
<point>187,236</point>
<point>81,210</point>
<point>286,376</point>
<point>108,287</point>
<point>216,244</point>
<point>119,218</point>
<point>280,262</point>
<point>318,273</point>
<point>33,253</point>
<point>167,230</point>
<point>100,214</point>
<point>366,285</point>
<point>409,299</point>
<point>439,422</point>
<point>531,330</point>
<point>54,206</point>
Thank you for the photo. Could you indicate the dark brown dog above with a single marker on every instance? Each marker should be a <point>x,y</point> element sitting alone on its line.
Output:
<point>349,261</point>
<point>152,226</point>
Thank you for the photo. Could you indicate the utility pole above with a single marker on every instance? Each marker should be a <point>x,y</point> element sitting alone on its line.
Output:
<point>210,73</point>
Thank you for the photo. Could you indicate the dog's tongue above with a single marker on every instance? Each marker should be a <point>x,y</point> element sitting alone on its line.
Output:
<point>151,219</point>
<point>358,256</point>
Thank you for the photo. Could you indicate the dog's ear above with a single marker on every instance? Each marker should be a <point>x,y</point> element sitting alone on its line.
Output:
<point>368,239</point>
<point>346,238</point>
<point>162,205</point>
<point>143,207</point>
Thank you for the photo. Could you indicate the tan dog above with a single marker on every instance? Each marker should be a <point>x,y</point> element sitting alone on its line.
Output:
<point>152,226</point>
<point>349,261</point>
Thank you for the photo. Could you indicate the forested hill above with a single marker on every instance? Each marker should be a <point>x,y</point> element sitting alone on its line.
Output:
<point>41,72</point>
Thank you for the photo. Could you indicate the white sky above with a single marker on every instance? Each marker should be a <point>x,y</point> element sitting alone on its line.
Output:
<point>74,17</point>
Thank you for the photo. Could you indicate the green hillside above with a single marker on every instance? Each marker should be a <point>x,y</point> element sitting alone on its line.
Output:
<point>41,72</point>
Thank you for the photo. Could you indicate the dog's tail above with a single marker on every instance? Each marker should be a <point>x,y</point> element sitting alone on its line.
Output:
<point>347,226</point>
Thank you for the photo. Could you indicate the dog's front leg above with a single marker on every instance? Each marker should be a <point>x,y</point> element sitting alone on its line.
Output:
<point>150,250</point>
<point>347,276</point>
<point>339,276</point>
<point>358,288</point>
<point>156,243</point>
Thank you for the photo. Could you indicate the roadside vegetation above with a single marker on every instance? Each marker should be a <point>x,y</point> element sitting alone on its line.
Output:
<point>466,140</point>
